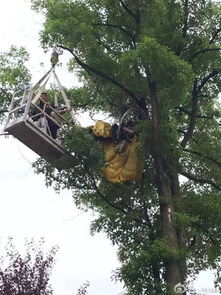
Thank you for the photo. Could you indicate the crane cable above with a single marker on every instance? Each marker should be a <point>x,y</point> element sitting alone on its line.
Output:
<point>40,90</point>
<point>46,77</point>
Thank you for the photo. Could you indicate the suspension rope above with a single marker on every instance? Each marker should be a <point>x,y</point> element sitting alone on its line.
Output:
<point>41,88</point>
<point>68,105</point>
<point>42,79</point>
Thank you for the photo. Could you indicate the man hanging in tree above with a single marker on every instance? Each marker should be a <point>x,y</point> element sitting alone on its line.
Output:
<point>165,57</point>
<point>122,163</point>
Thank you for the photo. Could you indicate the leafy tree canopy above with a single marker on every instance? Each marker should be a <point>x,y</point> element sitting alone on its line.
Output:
<point>29,273</point>
<point>13,75</point>
<point>164,57</point>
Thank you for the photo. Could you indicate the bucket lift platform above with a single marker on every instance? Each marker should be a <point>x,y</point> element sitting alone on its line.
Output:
<point>37,140</point>
<point>21,124</point>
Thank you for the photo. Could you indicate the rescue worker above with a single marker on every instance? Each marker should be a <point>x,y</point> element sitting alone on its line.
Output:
<point>48,122</point>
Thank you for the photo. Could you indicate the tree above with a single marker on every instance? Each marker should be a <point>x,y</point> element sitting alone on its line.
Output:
<point>164,57</point>
<point>14,76</point>
<point>83,289</point>
<point>26,274</point>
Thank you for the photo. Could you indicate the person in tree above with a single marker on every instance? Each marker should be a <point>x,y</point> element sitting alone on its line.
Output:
<point>47,120</point>
<point>120,144</point>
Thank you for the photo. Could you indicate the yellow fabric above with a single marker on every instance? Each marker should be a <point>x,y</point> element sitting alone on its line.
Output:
<point>101,129</point>
<point>120,167</point>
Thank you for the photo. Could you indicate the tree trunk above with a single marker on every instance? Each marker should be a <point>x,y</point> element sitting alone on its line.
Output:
<point>176,195</point>
<point>173,273</point>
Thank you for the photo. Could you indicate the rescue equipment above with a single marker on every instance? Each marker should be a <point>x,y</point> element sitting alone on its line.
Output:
<point>29,121</point>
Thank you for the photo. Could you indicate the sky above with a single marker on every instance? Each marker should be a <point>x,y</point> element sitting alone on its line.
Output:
<point>29,209</point>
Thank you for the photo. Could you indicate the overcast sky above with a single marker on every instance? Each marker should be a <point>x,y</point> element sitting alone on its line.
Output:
<point>28,208</point>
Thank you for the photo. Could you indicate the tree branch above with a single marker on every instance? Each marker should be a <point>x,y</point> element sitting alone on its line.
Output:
<point>192,123</point>
<point>102,43</point>
<point>201,180</point>
<point>109,102</point>
<point>3,111</point>
<point>195,93</point>
<point>101,74</point>
<point>215,35</point>
<point>128,10</point>
<point>189,113</point>
<point>197,224</point>
<point>104,197</point>
<point>203,51</point>
<point>5,92</point>
<point>94,184</point>
<point>203,156</point>
<point>117,27</point>
<point>185,25</point>
<point>207,78</point>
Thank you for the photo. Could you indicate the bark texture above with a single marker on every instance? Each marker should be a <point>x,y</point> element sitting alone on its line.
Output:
<point>167,192</point>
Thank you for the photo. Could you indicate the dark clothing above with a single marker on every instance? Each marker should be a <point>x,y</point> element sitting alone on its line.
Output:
<point>47,108</point>
<point>123,132</point>
<point>53,128</point>
<point>37,114</point>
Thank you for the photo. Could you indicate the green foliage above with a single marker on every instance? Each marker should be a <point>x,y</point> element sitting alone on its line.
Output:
<point>125,52</point>
<point>170,72</point>
<point>87,163</point>
<point>86,150</point>
<point>14,76</point>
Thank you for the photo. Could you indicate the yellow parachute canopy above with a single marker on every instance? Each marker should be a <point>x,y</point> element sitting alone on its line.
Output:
<point>120,166</point>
